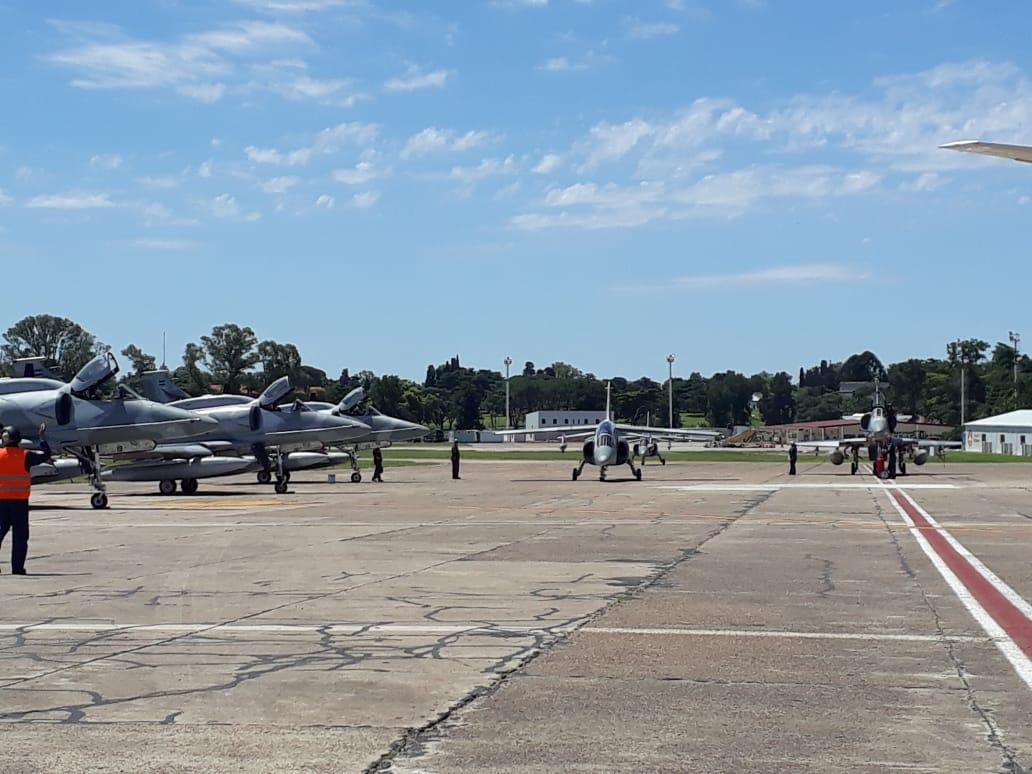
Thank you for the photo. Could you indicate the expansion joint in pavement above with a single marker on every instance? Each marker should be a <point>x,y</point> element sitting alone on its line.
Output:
<point>993,733</point>
<point>415,741</point>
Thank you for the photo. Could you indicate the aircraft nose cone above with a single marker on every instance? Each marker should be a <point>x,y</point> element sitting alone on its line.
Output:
<point>603,455</point>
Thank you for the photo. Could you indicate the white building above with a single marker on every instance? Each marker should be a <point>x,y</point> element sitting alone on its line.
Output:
<point>556,420</point>
<point>1009,433</point>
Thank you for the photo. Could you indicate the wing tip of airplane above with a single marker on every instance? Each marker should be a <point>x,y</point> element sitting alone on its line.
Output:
<point>960,144</point>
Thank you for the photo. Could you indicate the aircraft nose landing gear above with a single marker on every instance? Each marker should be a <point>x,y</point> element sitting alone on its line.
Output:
<point>99,500</point>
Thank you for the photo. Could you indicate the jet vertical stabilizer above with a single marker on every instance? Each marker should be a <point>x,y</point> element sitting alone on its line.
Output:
<point>159,387</point>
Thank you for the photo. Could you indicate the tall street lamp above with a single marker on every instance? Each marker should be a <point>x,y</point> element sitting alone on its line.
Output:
<point>1015,338</point>
<point>963,379</point>
<point>670,383</point>
<point>508,362</point>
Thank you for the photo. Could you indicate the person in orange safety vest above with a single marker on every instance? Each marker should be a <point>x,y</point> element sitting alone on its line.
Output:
<point>15,487</point>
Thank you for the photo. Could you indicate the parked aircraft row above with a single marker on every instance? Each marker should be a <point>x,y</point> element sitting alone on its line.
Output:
<point>169,437</point>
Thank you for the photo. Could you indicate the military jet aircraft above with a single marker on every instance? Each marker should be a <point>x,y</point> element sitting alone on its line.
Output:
<point>604,447</point>
<point>879,428</point>
<point>247,434</point>
<point>1014,152</point>
<point>79,422</point>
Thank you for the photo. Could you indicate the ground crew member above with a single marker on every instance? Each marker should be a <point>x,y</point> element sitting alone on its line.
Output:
<point>377,465</point>
<point>455,460</point>
<point>15,485</point>
<point>793,453</point>
<point>892,460</point>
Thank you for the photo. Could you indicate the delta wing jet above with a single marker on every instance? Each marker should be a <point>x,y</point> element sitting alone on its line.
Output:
<point>603,445</point>
<point>79,422</point>
<point>879,433</point>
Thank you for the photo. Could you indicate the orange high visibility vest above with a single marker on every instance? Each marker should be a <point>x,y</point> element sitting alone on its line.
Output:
<point>15,481</point>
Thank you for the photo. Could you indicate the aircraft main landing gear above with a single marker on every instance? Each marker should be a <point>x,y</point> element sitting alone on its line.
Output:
<point>578,470</point>
<point>89,463</point>
<point>167,486</point>
<point>188,486</point>
<point>98,500</point>
<point>356,478</point>
<point>264,477</point>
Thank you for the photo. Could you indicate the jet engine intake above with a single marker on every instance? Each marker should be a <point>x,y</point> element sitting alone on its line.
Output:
<point>254,418</point>
<point>589,450</point>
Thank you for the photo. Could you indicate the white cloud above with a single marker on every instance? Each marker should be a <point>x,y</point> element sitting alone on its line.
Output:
<point>108,161</point>
<point>609,141</point>
<point>196,65</point>
<point>432,140</point>
<point>646,30</point>
<point>327,142</point>
<point>365,199</point>
<point>298,6</point>
<point>549,163</point>
<point>71,201</point>
<point>278,185</point>
<point>204,170</point>
<point>485,169</point>
<point>415,79</point>
<point>798,274</point>
<point>325,202</point>
<point>159,181</point>
<point>5,200</point>
<point>561,64</point>
<point>162,244</point>
<point>224,206</point>
<point>363,172</point>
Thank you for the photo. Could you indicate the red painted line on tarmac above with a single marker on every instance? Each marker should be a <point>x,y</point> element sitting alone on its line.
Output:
<point>1012,620</point>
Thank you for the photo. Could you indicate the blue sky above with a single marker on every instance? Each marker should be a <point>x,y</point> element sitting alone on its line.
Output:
<point>751,185</point>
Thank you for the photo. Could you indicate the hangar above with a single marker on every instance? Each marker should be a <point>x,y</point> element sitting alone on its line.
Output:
<point>1009,433</point>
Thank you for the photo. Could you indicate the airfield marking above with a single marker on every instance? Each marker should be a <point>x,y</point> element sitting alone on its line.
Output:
<point>775,487</point>
<point>1001,612</point>
<point>435,629</point>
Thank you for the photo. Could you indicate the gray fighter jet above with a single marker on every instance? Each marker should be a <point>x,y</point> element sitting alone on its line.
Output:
<point>81,423</point>
<point>248,434</point>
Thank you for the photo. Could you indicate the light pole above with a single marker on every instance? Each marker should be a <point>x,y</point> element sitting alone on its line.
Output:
<point>670,384</point>
<point>508,362</point>
<point>960,356</point>
<point>1015,338</point>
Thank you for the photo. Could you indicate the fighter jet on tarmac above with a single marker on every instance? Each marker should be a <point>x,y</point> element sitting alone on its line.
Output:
<point>1015,152</point>
<point>247,434</point>
<point>603,446</point>
<point>82,424</point>
<point>879,427</point>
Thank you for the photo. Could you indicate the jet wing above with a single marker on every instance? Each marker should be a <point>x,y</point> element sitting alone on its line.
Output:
<point>928,443</point>
<point>844,443</point>
<point>1015,152</point>
<point>568,430</point>
<point>675,434</point>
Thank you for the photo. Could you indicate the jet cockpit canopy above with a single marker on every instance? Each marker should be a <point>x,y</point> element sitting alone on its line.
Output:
<point>92,375</point>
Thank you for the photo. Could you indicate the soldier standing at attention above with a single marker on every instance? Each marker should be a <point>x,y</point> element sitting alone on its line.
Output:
<point>793,453</point>
<point>455,460</point>
<point>15,486</point>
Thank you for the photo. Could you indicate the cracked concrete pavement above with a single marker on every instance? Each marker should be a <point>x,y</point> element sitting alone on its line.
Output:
<point>514,621</point>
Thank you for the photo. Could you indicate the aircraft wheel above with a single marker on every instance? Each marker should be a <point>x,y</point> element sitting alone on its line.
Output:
<point>281,487</point>
<point>264,477</point>
<point>356,478</point>
<point>885,474</point>
<point>637,474</point>
<point>98,500</point>
<point>167,486</point>
<point>188,485</point>
<point>576,474</point>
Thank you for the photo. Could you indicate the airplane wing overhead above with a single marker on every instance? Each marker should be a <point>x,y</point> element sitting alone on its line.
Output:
<point>833,444</point>
<point>1015,152</point>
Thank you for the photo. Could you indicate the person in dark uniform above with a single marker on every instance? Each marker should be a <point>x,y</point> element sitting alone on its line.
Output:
<point>377,465</point>
<point>455,460</point>
<point>793,454</point>
<point>892,460</point>
<point>15,486</point>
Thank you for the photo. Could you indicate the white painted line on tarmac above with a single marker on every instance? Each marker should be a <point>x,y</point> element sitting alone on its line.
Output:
<point>1001,612</point>
<point>875,636</point>
<point>775,487</point>
<point>214,628</point>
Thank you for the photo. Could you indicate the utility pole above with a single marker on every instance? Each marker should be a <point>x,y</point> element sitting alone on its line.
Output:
<point>670,383</point>
<point>508,362</point>
<point>1015,339</point>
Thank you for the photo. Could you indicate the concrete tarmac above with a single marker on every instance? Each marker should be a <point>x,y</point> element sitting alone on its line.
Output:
<point>713,617</point>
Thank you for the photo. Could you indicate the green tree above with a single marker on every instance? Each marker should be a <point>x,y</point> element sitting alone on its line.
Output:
<point>139,360</point>
<point>864,367</point>
<point>61,341</point>
<point>281,360</point>
<point>229,352</point>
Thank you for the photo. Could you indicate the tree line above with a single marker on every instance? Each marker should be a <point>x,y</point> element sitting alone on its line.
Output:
<point>233,359</point>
